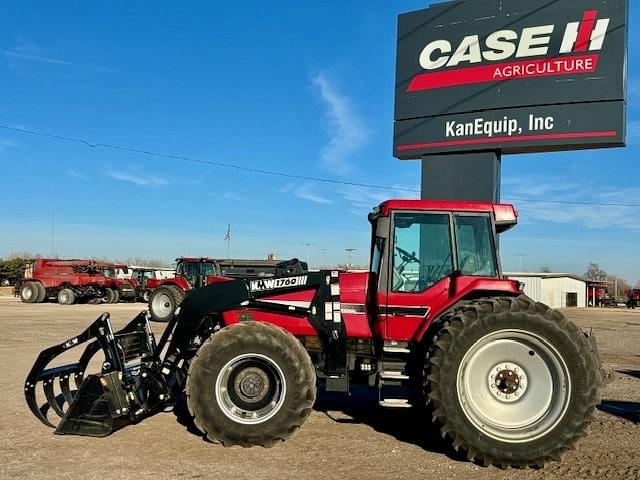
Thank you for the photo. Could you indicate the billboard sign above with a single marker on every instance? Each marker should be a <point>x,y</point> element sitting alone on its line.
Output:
<point>511,75</point>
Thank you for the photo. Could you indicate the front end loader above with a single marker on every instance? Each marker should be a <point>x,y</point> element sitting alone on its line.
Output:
<point>137,375</point>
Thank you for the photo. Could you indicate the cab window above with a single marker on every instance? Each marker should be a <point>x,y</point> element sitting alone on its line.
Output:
<point>474,238</point>
<point>208,269</point>
<point>422,251</point>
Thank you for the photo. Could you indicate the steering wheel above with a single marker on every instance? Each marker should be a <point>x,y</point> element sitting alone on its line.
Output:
<point>470,262</point>
<point>406,256</point>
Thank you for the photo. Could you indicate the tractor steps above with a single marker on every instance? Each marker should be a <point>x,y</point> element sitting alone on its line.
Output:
<point>393,378</point>
<point>395,349</point>
<point>393,375</point>
<point>395,403</point>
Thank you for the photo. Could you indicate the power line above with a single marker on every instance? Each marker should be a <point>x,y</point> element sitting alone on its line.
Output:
<point>568,202</point>
<point>201,161</point>
<point>296,176</point>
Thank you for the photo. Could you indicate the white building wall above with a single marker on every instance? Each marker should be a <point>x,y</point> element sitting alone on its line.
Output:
<point>552,291</point>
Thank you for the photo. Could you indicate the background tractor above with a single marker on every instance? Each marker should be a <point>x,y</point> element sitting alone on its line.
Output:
<point>194,272</point>
<point>432,325</point>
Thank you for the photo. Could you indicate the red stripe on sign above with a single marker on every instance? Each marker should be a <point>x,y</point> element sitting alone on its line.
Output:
<point>547,67</point>
<point>586,27</point>
<point>521,138</point>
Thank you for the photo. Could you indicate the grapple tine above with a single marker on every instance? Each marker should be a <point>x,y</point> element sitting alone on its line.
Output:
<point>30,394</point>
<point>51,397</point>
<point>66,391</point>
<point>77,378</point>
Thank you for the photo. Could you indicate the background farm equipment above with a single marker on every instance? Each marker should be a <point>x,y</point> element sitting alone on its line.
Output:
<point>431,325</point>
<point>117,288</point>
<point>73,280</point>
<point>194,272</point>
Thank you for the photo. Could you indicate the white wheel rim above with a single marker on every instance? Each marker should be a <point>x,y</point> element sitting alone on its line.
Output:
<point>64,297</point>
<point>161,305</point>
<point>502,407</point>
<point>250,389</point>
<point>27,293</point>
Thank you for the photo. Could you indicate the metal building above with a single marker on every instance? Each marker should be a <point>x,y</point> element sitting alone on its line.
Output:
<point>558,290</point>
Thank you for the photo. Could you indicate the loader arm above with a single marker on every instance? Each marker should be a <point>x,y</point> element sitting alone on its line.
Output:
<point>194,319</point>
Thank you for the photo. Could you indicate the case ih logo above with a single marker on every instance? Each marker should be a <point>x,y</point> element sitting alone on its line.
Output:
<point>585,36</point>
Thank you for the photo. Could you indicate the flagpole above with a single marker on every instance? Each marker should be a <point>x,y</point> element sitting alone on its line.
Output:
<point>227,237</point>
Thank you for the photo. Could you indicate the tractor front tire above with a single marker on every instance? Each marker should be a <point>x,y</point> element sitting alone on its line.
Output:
<point>250,384</point>
<point>164,301</point>
<point>29,292</point>
<point>146,293</point>
<point>511,382</point>
<point>66,297</point>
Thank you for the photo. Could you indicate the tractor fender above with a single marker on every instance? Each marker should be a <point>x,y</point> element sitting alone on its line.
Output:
<point>478,287</point>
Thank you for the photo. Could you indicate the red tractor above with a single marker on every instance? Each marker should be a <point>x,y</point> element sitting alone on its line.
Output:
<point>195,272</point>
<point>432,325</point>
<point>633,297</point>
<point>71,281</point>
<point>118,289</point>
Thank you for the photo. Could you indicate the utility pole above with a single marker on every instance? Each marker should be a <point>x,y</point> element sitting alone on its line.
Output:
<point>324,252</point>
<point>53,226</point>
<point>350,251</point>
<point>307,246</point>
<point>520,255</point>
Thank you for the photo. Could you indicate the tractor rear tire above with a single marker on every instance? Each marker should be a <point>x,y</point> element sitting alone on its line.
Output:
<point>511,382</point>
<point>116,295</point>
<point>42,292</point>
<point>164,301</point>
<point>250,384</point>
<point>109,295</point>
<point>66,297</point>
<point>29,292</point>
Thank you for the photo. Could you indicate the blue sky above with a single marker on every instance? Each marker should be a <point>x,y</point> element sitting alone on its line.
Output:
<point>299,87</point>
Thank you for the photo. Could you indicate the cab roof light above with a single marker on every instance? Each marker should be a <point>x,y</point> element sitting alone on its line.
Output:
<point>505,215</point>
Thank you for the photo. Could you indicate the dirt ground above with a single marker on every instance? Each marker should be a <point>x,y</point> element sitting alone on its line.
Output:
<point>343,438</point>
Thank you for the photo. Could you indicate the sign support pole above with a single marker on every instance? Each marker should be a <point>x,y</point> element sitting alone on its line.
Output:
<point>462,176</point>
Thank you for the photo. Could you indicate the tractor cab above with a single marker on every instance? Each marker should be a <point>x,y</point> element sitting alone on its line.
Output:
<point>425,252</point>
<point>196,270</point>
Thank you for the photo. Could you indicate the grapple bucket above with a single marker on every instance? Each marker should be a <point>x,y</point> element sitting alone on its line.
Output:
<point>96,404</point>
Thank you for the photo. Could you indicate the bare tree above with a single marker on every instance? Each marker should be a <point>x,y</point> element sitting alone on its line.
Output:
<point>545,269</point>
<point>23,255</point>
<point>618,286</point>
<point>595,273</point>
<point>147,262</point>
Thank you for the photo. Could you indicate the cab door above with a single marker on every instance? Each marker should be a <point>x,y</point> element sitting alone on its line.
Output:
<point>422,258</point>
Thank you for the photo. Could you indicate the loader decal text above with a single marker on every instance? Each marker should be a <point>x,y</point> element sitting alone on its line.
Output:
<point>274,283</point>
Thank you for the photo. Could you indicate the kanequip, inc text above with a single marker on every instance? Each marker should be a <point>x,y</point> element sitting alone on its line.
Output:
<point>503,127</point>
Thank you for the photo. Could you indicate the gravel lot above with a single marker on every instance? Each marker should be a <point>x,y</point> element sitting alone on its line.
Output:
<point>343,438</point>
